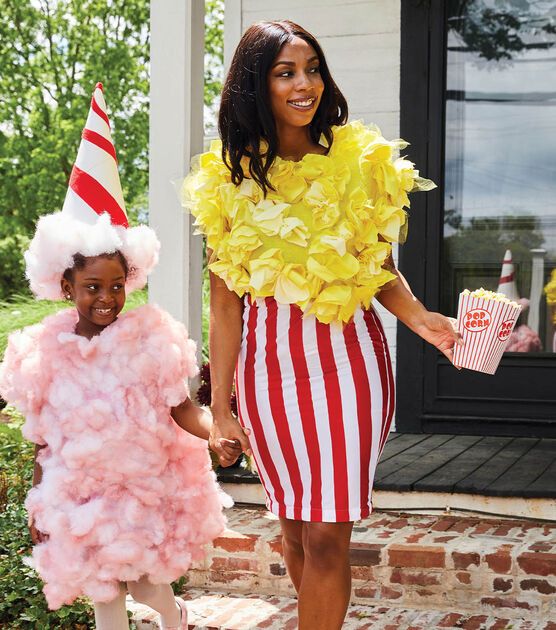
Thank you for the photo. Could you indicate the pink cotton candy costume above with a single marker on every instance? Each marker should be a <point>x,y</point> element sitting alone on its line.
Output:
<point>125,492</point>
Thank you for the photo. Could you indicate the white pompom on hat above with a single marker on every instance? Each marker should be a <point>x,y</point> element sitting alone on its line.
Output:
<point>93,220</point>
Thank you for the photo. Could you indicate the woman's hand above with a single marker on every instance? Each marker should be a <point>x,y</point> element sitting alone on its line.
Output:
<point>36,536</point>
<point>228,439</point>
<point>440,331</point>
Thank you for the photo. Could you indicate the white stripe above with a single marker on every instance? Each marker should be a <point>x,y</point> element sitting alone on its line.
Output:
<point>348,397</point>
<point>265,411</point>
<point>318,393</point>
<point>245,413</point>
<point>291,403</point>
<point>98,124</point>
<point>77,208</point>
<point>375,384</point>
<point>100,165</point>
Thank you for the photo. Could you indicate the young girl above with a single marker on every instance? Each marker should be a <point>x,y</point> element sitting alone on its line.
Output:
<point>121,493</point>
<point>123,488</point>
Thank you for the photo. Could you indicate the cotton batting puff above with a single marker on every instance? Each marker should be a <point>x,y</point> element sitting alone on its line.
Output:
<point>485,321</point>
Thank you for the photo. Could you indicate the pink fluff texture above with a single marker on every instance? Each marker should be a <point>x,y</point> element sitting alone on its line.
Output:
<point>59,236</point>
<point>125,492</point>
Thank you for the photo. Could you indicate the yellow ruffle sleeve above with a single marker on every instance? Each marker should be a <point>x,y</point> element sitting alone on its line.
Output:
<point>321,238</point>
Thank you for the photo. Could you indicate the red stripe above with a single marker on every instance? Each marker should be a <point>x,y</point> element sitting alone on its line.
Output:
<point>278,408</point>
<point>391,383</point>
<point>100,141</point>
<point>504,279</point>
<point>253,412</point>
<point>386,379</point>
<point>363,399</point>
<point>96,196</point>
<point>241,417</point>
<point>335,419</point>
<point>306,409</point>
<point>100,112</point>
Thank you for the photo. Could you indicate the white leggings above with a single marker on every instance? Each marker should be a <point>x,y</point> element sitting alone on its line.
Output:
<point>113,615</point>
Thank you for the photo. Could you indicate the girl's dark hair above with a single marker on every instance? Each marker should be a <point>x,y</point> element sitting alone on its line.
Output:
<point>79,262</point>
<point>245,116</point>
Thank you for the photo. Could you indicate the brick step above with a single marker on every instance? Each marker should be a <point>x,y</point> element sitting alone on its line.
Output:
<point>500,567</point>
<point>230,611</point>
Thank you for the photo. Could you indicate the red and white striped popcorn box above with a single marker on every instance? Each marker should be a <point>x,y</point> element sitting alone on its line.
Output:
<point>485,325</point>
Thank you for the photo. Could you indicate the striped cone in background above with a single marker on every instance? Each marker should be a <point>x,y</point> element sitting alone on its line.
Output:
<point>94,186</point>
<point>506,284</point>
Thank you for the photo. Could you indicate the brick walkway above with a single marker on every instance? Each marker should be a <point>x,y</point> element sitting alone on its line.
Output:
<point>485,566</point>
<point>217,611</point>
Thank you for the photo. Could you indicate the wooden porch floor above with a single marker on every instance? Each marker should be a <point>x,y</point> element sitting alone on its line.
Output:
<point>459,464</point>
<point>470,464</point>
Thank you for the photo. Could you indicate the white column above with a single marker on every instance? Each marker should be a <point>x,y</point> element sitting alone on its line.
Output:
<point>176,133</point>
<point>537,277</point>
<point>232,29</point>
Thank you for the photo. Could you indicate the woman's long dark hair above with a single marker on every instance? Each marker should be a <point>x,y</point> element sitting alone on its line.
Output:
<point>245,116</point>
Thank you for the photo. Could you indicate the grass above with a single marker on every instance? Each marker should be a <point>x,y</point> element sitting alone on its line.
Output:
<point>21,311</point>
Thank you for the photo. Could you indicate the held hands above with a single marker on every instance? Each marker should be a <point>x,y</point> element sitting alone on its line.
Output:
<point>440,331</point>
<point>228,439</point>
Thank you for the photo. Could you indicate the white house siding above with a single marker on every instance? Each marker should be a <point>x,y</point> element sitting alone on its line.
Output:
<point>361,40</point>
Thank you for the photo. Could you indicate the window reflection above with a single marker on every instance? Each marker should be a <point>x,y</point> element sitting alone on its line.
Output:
<point>500,175</point>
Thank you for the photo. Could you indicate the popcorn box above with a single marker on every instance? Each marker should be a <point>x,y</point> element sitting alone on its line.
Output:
<point>485,322</point>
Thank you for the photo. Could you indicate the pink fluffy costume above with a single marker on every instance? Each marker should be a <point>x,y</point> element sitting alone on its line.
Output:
<point>125,492</point>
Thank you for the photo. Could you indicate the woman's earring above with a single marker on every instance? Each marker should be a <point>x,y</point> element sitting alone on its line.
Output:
<point>68,296</point>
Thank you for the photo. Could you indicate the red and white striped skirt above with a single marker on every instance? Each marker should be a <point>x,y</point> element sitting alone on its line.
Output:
<point>319,400</point>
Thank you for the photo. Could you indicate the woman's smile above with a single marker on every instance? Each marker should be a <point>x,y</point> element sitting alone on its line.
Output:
<point>304,104</point>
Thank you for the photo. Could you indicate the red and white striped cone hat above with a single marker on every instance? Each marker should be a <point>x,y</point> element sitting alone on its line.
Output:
<point>506,284</point>
<point>93,219</point>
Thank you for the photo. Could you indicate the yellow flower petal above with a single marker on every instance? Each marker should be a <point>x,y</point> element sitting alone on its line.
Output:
<point>268,216</point>
<point>264,272</point>
<point>294,231</point>
<point>331,266</point>
<point>292,286</point>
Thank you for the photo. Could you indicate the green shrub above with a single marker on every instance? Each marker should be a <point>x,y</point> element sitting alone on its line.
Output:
<point>12,270</point>
<point>22,605</point>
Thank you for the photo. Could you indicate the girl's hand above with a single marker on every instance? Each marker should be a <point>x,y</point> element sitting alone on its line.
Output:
<point>36,536</point>
<point>228,439</point>
<point>440,331</point>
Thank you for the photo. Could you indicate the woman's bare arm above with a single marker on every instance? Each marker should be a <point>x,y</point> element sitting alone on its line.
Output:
<point>435,328</point>
<point>225,329</point>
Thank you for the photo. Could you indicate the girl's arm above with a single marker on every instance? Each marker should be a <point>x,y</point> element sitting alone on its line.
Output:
<point>432,327</point>
<point>36,536</point>
<point>198,422</point>
<point>225,328</point>
<point>193,419</point>
<point>37,468</point>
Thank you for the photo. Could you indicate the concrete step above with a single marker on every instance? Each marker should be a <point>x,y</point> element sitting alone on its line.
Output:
<point>209,610</point>
<point>485,567</point>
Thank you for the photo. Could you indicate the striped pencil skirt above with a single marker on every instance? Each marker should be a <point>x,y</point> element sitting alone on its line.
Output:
<point>319,400</point>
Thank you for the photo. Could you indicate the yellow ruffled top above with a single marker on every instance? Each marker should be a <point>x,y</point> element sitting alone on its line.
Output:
<point>550,290</point>
<point>321,238</point>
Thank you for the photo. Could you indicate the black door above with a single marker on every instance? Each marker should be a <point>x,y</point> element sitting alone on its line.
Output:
<point>478,105</point>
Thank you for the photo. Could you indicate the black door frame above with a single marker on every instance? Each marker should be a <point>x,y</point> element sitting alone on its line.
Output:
<point>421,370</point>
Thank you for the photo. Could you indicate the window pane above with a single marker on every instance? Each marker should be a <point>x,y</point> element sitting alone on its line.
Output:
<point>500,174</point>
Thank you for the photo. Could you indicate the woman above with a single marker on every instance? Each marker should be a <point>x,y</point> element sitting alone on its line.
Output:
<point>300,210</point>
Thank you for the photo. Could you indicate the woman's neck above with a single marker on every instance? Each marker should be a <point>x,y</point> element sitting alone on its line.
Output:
<point>295,142</point>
